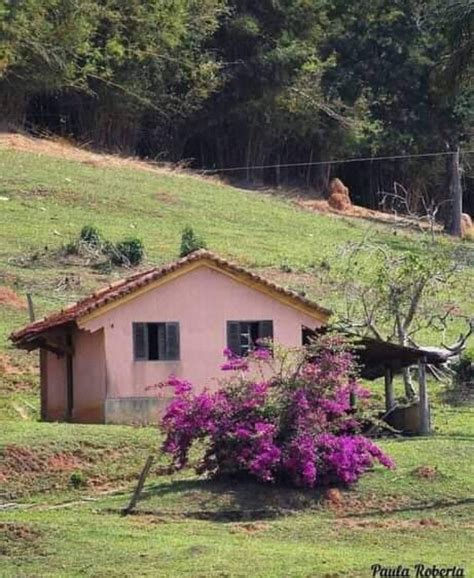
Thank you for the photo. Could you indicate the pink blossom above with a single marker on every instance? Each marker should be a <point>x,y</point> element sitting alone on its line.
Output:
<point>302,430</point>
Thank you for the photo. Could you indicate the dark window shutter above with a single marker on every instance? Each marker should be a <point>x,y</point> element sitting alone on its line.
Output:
<point>233,337</point>
<point>172,341</point>
<point>140,341</point>
<point>265,330</point>
<point>152,329</point>
<point>161,341</point>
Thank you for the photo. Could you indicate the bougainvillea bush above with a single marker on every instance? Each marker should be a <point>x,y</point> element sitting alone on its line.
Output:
<point>282,416</point>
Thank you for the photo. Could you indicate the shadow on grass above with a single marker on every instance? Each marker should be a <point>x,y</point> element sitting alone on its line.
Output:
<point>225,500</point>
<point>421,507</point>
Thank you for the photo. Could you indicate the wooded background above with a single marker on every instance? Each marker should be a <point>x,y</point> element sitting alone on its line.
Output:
<point>229,83</point>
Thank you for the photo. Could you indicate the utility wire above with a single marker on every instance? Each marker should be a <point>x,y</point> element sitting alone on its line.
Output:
<point>145,130</point>
<point>333,162</point>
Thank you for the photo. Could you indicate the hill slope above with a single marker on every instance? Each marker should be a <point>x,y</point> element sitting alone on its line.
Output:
<point>48,191</point>
<point>181,527</point>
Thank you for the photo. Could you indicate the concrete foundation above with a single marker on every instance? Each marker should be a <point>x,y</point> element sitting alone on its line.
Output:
<point>135,410</point>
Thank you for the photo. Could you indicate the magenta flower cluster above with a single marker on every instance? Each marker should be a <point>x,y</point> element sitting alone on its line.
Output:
<point>296,428</point>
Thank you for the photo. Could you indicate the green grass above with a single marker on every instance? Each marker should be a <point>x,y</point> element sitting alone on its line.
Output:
<point>185,526</point>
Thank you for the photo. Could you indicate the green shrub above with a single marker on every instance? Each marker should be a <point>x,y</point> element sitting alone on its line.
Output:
<point>127,252</point>
<point>91,244</point>
<point>91,235</point>
<point>77,480</point>
<point>190,242</point>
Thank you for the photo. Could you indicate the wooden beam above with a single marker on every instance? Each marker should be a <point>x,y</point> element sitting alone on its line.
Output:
<point>52,347</point>
<point>139,488</point>
<point>389,392</point>
<point>31,309</point>
<point>425,422</point>
<point>69,380</point>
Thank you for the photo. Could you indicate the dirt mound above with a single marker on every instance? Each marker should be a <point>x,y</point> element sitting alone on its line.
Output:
<point>334,497</point>
<point>9,298</point>
<point>467,227</point>
<point>426,473</point>
<point>339,198</point>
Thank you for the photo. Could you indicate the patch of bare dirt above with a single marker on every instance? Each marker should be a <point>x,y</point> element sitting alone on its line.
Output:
<point>25,471</point>
<point>6,366</point>
<point>15,537</point>
<point>20,460</point>
<point>16,366</point>
<point>426,472</point>
<point>65,149</point>
<point>323,206</point>
<point>249,528</point>
<point>15,531</point>
<point>167,198</point>
<point>64,462</point>
<point>389,523</point>
<point>9,298</point>
<point>346,503</point>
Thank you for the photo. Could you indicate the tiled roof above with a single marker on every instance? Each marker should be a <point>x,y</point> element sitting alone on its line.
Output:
<point>130,284</point>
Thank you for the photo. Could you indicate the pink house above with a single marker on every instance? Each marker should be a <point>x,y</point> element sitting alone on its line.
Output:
<point>99,356</point>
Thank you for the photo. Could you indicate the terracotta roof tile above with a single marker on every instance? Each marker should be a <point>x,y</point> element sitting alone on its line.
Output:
<point>128,285</point>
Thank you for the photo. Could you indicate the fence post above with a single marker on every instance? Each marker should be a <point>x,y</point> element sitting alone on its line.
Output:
<point>425,425</point>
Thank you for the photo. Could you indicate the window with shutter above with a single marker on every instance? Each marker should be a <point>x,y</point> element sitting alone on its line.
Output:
<point>233,337</point>
<point>172,341</point>
<point>243,336</point>
<point>140,341</point>
<point>265,330</point>
<point>156,341</point>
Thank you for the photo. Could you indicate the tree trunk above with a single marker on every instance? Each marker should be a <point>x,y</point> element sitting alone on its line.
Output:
<point>456,196</point>
<point>410,392</point>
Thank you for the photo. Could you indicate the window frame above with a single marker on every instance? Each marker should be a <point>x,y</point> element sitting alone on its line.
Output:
<point>260,324</point>
<point>172,346</point>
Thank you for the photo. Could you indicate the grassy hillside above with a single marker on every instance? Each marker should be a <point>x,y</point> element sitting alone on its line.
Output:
<point>63,485</point>
<point>45,201</point>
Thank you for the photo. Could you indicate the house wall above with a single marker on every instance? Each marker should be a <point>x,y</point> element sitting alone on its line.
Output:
<point>53,386</point>
<point>89,377</point>
<point>202,301</point>
<point>89,380</point>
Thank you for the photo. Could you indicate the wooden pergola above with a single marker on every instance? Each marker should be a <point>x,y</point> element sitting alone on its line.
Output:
<point>384,359</point>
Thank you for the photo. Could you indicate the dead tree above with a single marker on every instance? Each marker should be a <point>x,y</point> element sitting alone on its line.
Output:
<point>399,202</point>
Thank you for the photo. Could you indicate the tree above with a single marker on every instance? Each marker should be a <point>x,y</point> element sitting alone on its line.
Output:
<point>398,296</point>
<point>457,19</point>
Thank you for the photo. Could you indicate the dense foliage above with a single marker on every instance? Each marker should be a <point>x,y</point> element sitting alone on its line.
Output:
<point>190,242</point>
<point>239,83</point>
<point>296,426</point>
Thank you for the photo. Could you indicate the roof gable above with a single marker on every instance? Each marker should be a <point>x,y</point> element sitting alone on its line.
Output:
<point>138,284</point>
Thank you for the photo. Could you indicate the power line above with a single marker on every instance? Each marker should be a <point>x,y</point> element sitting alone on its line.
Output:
<point>147,130</point>
<point>332,162</point>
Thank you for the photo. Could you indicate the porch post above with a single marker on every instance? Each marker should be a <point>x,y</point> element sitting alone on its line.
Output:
<point>425,425</point>
<point>389,393</point>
